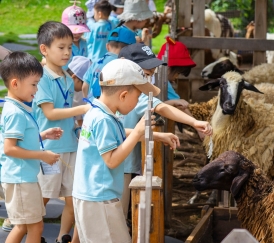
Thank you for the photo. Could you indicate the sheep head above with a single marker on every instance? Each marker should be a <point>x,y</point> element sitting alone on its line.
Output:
<point>229,172</point>
<point>220,67</point>
<point>231,86</point>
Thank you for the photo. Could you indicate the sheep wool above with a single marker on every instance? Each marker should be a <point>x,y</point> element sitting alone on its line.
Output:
<point>255,206</point>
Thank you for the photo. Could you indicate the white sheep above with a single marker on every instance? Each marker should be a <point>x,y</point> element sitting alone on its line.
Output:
<point>243,123</point>
<point>252,191</point>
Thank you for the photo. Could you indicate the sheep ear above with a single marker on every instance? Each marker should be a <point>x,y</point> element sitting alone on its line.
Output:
<point>238,182</point>
<point>250,87</point>
<point>210,85</point>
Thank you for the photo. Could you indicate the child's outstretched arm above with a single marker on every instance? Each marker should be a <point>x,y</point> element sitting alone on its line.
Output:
<point>54,114</point>
<point>11,149</point>
<point>175,114</point>
<point>115,157</point>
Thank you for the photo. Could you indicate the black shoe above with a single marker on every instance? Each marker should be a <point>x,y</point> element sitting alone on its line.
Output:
<point>66,238</point>
<point>43,240</point>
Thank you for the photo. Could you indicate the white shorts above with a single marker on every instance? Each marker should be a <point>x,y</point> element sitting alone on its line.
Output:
<point>59,185</point>
<point>100,221</point>
<point>24,202</point>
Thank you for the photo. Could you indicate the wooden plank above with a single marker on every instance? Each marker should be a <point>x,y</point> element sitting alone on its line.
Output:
<point>157,216</point>
<point>183,89</point>
<point>168,176</point>
<point>260,27</point>
<point>201,228</point>
<point>227,43</point>
<point>224,220</point>
<point>184,13</point>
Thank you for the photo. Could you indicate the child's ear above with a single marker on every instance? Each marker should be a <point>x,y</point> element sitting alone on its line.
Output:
<point>13,83</point>
<point>123,95</point>
<point>43,49</point>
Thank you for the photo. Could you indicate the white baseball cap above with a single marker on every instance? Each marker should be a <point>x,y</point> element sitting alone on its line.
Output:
<point>120,72</point>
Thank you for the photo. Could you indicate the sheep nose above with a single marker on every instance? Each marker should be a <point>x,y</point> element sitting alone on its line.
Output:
<point>228,105</point>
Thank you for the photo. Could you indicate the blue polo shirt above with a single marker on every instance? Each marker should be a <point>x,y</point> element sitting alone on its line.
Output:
<point>77,51</point>
<point>17,123</point>
<point>92,75</point>
<point>171,94</point>
<point>101,132</point>
<point>49,92</point>
<point>97,39</point>
<point>132,163</point>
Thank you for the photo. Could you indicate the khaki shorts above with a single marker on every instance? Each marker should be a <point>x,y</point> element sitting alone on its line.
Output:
<point>59,185</point>
<point>100,221</point>
<point>24,202</point>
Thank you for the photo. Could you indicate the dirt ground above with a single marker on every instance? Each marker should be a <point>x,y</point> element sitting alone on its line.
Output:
<point>189,159</point>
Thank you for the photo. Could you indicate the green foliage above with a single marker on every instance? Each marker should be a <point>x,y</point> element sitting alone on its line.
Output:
<point>247,8</point>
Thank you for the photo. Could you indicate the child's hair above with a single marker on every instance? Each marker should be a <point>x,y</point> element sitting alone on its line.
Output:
<point>50,30</point>
<point>103,6</point>
<point>19,65</point>
<point>185,70</point>
<point>111,90</point>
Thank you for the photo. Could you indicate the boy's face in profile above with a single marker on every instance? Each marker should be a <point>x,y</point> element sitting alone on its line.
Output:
<point>78,83</point>
<point>59,52</point>
<point>24,90</point>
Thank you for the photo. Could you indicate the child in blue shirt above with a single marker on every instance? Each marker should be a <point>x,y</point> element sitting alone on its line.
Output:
<point>52,106</point>
<point>145,58</point>
<point>103,146</point>
<point>117,39</point>
<point>75,18</point>
<point>20,152</point>
<point>97,38</point>
<point>117,9</point>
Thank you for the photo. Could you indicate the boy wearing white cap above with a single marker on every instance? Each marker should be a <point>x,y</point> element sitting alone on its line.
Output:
<point>103,146</point>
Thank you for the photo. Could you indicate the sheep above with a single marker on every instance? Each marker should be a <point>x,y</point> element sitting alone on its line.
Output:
<point>263,73</point>
<point>251,189</point>
<point>241,122</point>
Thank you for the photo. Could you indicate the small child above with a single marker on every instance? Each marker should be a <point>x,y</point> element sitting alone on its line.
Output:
<point>77,68</point>
<point>52,106</point>
<point>103,146</point>
<point>134,17</point>
<point>117,9</point>
<point>117,39</point>
<point>97,38</point>
<point>146,59</point>
<point>75,18</point>
<point>20,148</point>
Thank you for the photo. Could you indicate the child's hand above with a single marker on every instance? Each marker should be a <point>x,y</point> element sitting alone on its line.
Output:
<point>140,126</point>
<point>204,127</point>
<point>168,139</point>
<point>50,157</point>
<point>54,133</point>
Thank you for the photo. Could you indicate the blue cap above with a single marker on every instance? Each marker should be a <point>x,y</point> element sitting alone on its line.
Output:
<point>122,34</point>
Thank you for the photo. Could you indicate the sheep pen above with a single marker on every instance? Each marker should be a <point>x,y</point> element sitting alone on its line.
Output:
<point>251,189</point>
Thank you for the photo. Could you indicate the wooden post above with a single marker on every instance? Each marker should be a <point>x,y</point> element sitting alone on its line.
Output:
<point>184,16</point>
<point>137,185</point>
<point>260,29</point>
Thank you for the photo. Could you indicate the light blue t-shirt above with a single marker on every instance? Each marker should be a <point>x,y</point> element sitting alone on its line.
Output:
<point>77,51</point>
<point>113,18</point>
<point>49,92</point>
<point>97,39</point>
<point>92,75</point>
<point>17,123</point>
<point>132,163</point>
<point>171,94</point>
<point>101,132</point>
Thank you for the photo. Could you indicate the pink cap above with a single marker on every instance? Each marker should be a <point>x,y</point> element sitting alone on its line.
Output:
<point>75,18</point>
